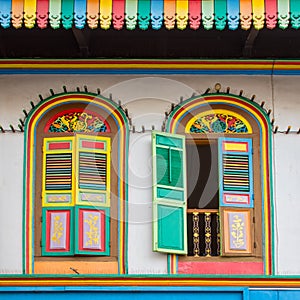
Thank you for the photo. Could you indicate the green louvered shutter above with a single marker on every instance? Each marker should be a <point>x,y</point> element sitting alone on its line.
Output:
<point>169,193</point>
<point>236,195</point>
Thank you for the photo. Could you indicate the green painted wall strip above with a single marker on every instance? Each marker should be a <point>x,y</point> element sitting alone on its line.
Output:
<point>131,13</point>
<point>220,14</point>
<point>55,13</point>
<point>24,231</point>
<point>208,14</point>
<point>283,13</point>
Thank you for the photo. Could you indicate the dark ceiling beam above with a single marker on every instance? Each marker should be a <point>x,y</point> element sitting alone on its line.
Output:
<point>248,47</point>
<point>82,39</point>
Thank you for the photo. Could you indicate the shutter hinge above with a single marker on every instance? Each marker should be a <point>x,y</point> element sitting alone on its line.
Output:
<point>41,219</point>
<point>253,219</point>
<point>41,245</point>
<point>254,245</point>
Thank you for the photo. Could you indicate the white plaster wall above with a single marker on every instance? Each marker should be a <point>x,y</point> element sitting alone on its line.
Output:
<point>287,101</point>
<point>147,98</point>
<point>287,227</point>
<point>11,203</point>
<point>18,90</point>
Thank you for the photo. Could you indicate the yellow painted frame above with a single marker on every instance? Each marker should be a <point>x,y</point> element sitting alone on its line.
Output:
<point>106,151</point>
<point>53,192</point>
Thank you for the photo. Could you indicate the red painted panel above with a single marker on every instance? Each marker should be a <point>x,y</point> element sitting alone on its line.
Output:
<point>59,146</point>
<point>229,268</point>
<point>66,230</point>
<point>92,145</point>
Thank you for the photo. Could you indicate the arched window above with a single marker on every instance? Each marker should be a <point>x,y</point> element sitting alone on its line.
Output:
<point>212,177</point>
<point>75,200</point>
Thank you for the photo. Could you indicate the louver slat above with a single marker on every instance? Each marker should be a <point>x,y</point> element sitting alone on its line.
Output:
<point>92,171</point>
<point>236,173</point>
<point>236,178</point>
<point>59,171</point>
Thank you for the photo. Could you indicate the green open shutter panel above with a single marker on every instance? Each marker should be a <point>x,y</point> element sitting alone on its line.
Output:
<point>169,193</point>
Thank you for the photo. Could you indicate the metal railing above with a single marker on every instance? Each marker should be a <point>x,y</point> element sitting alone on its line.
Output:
<point>204,232</point>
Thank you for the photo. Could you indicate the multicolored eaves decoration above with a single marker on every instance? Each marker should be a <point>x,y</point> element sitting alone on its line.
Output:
<point>146,14</point>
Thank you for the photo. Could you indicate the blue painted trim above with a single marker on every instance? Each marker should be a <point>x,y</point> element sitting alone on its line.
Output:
<point>244,290</point>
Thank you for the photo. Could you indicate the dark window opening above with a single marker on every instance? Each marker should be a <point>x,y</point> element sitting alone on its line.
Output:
<point>202,176</point>
<point>203,222</point>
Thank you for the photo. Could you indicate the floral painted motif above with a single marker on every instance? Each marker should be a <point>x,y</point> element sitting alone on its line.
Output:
<point>57,230</point>
<point>93,234</point>
<point>237,232</point>
<point>78,122</point>
<point>218,123</point>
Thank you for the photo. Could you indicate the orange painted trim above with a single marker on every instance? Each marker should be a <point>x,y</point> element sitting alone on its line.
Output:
<point>152,281</point>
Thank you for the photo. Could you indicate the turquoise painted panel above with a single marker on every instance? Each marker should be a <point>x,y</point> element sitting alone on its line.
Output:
<point>170,194</point>
<point>170,221</point>
<point>264,295</point>
<point>169,167</point>
<point>121,293</point>
<point>168,141</point>
<point>288,295</point>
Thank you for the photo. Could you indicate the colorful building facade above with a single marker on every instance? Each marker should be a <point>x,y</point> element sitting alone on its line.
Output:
<point>142,178</point>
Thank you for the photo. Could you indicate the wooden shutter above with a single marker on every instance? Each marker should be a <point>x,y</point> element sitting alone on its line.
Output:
<point>236,195</point>
<point>58,196</point>
<point>169,193</point>
<point>58,171</point>
<point>92,195</point>
<point>92,230</point>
